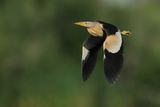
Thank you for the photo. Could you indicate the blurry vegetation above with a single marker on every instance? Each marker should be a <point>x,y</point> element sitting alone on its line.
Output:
<point>40,52</point>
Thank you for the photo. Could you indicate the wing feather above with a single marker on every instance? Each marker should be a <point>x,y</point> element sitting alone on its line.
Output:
<point>89,55</point>
<point>112,64</point>
<point>113,56</point>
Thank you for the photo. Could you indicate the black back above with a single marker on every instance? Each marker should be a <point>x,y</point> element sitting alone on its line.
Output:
<point>109,28</point>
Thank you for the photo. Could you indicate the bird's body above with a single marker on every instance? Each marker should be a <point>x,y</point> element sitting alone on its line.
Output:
<point>108,36</point>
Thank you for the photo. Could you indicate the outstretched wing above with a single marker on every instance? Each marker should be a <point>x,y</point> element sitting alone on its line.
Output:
<point>113,56</point>
<point>89,55</point>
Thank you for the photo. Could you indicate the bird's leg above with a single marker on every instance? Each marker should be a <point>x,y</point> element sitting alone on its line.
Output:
<point>126,33</point>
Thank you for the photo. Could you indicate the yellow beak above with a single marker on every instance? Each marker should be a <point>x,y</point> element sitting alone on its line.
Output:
<point>83,23</point>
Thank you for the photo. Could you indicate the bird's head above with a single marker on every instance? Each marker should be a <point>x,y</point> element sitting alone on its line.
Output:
<point>126,33</point>
<point>94,27</point>
<point>87,24</point>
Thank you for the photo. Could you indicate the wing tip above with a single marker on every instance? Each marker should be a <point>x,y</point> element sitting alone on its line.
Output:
<point>112,80</point>
<point>85,77</point>
<point>112,77</point>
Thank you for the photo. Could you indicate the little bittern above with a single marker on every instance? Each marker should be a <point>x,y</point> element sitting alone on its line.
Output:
<point>109,36</point>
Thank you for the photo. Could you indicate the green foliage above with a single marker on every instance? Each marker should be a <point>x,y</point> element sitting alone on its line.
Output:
<point>40,52</point>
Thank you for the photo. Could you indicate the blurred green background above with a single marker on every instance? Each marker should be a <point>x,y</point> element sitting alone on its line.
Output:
<point>40,54</point>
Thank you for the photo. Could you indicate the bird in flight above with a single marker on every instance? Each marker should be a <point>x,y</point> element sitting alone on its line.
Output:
<point>106,35</point>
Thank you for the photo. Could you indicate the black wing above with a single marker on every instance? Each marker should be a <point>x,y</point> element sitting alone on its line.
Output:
<point>112,64</point>
<point>89,55</point>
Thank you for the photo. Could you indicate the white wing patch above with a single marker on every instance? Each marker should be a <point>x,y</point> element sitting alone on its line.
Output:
<point>85,53</point>
<point>104,57</point>
<point>113,42</point>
